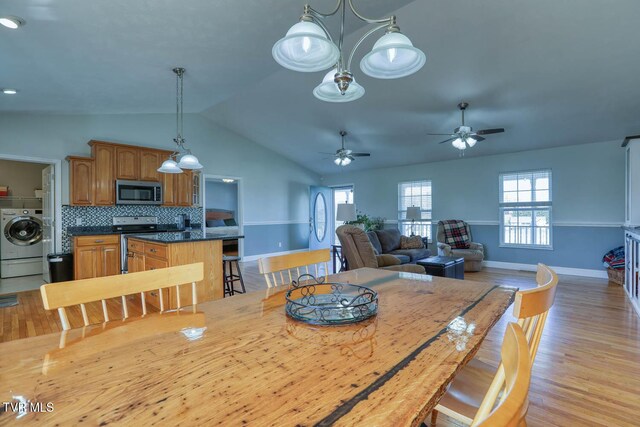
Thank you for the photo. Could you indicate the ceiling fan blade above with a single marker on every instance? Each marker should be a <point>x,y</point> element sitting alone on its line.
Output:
<point>350,157</point>
<point>447,140</point>
<point>489,131</point>
<point>440,134</point>
<point>360,154</point>
<point>478,138</point>
<point>328,154</point>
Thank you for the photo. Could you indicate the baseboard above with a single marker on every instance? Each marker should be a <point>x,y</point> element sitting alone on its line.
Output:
<point>257,257</point>
<point>584,272</point>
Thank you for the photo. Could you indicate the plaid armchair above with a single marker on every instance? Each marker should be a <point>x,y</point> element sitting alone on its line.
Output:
<point>459,233</point>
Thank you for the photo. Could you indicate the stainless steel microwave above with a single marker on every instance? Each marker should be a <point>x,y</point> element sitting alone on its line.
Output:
<point>138,193</point>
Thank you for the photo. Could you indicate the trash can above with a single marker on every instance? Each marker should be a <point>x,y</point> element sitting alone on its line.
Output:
<point>60,267</point>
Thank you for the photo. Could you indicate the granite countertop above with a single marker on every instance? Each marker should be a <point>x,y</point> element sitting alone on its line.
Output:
<point>107,229</point>
<point>185,236</point>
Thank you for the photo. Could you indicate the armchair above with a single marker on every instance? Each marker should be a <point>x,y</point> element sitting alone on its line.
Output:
<point>473,256</point>
<point>358,250</point>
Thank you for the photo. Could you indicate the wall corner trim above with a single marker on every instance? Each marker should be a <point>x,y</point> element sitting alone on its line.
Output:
<point>583,272</point>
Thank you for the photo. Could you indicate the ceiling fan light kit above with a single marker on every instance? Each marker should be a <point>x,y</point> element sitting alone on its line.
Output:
<point>181,158</point>
<point>343,156</point>
<point>463,136</point>
<point>308,46</point>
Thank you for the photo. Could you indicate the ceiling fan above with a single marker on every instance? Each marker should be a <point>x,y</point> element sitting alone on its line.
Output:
<point>344,156</point>
<point>464,136</point>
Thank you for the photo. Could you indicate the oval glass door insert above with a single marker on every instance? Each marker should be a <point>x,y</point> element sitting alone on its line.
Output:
<point>320,217</point>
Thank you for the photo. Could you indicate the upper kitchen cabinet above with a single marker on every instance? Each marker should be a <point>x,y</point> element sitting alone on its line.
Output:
<point>81,181</point>
<point>127,163</point>
<point>184,188</point>
<point>104,157</point>
<point>150,161</point>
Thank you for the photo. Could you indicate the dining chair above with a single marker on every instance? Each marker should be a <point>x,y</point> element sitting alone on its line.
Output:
<point>466,393</point>
<point>512,407</point>
<point>284,269</point>
<point>80,292</point>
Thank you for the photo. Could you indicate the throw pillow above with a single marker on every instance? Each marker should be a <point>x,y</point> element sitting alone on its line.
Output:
<point>413,242</point>
<point>455,234</point>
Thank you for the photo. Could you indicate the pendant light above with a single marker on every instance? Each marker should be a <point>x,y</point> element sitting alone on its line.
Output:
<point>181,158</point>
<point>308,46</point>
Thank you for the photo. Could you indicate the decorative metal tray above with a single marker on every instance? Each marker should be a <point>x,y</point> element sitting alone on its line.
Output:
<point>312,301</point>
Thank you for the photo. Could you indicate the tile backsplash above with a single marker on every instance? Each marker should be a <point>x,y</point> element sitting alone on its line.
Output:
<point>93,216</point>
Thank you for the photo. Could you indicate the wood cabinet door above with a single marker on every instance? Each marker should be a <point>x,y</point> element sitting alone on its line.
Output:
<point>85,262</point>
<point>127,163</point>
<point>104,157</point>
<point>184,186</point>
<point>81,182</point>
<point>109,260</point>
<point>169,189</point>
<point>150,161</point>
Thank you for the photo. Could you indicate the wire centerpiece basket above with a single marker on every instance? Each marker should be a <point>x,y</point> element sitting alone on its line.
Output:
<point>312,301</point>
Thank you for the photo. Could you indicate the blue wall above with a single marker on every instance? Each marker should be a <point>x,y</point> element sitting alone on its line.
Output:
<point>264,238</point>
<point>587,191</point>
<point>220,195</point>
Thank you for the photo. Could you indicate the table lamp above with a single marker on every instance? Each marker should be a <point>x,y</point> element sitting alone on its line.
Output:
<point>414,214</point>
<point>346,212</point>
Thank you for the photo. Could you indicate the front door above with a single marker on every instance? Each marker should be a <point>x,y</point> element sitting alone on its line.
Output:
<point>320,219</point>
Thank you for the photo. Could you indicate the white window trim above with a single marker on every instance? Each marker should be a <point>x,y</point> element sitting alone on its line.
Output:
<point>426,222</point>
<point>511,205</point>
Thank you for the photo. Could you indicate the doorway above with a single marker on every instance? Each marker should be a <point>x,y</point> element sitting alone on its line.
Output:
<point>222,208</point>
<point>30,211</point>
<point>341,194</point>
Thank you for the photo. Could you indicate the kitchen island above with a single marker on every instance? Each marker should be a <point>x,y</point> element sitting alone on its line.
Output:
<point>152,251</point>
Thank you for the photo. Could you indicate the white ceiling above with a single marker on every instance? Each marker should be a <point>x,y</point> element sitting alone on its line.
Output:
<point>552,72</point>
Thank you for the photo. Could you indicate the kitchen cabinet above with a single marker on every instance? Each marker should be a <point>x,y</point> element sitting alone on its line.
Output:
<point>169,193</point>
<point>127,163</point>
<point>104,158</point>
<point>184,188</point>
<point>96,256</point>
<point>81,172</point>
<point>150,161</point>
<point>152,255</point>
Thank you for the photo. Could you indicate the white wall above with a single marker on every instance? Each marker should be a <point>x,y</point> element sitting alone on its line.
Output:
<point>588,184</point>
<point>276,189</point>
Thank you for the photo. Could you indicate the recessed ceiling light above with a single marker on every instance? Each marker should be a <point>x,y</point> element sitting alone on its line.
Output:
<point>11,22</point>
<point>9,91</point>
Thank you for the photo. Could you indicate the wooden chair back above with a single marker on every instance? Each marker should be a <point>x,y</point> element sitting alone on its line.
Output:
<point>284,269</point>
<point>512,408</point>
<point>531,308</point>
<point>80,292</point>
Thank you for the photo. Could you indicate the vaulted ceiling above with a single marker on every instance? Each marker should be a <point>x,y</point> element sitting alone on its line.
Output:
<point>550,72</point>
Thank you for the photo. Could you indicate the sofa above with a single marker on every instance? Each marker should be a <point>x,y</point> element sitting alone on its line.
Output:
<point>473,256</point>
<point>388,242</point>
<point>359,252</point>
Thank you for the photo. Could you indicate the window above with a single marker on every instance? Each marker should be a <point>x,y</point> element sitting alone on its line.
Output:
<point>415,193</point>
<point>525,209</point>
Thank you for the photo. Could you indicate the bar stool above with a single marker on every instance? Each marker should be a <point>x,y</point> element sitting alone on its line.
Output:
<point>229,277</point>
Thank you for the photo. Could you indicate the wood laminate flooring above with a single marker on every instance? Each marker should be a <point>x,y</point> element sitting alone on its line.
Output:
<point>587,371</point>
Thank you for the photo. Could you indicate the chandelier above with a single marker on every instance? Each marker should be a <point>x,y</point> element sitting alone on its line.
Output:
<point>309,47</point>
<point>182,157</point>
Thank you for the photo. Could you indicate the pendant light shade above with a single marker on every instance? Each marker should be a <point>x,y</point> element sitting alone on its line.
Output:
<point>471,142</point>
<point>305,48</point>
<point>328,90</point>
<point>189,161</point>
<point>393,56</point>
<point>169,166</point>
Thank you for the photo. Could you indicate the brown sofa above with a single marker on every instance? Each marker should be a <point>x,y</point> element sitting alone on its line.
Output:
<point>388,242</point>
<point>358,250</point>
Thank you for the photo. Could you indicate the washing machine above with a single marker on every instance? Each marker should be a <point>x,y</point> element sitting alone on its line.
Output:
<point>20,242</point>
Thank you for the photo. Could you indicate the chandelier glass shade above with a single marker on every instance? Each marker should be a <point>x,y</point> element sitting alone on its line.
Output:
<point>342,161</point>
<point>169,166</point>
<point>393,56</point>
<point>305,48</point>
<point>308,46</point>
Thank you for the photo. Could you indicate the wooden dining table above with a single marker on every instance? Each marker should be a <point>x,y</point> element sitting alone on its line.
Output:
<point>243,361</point>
